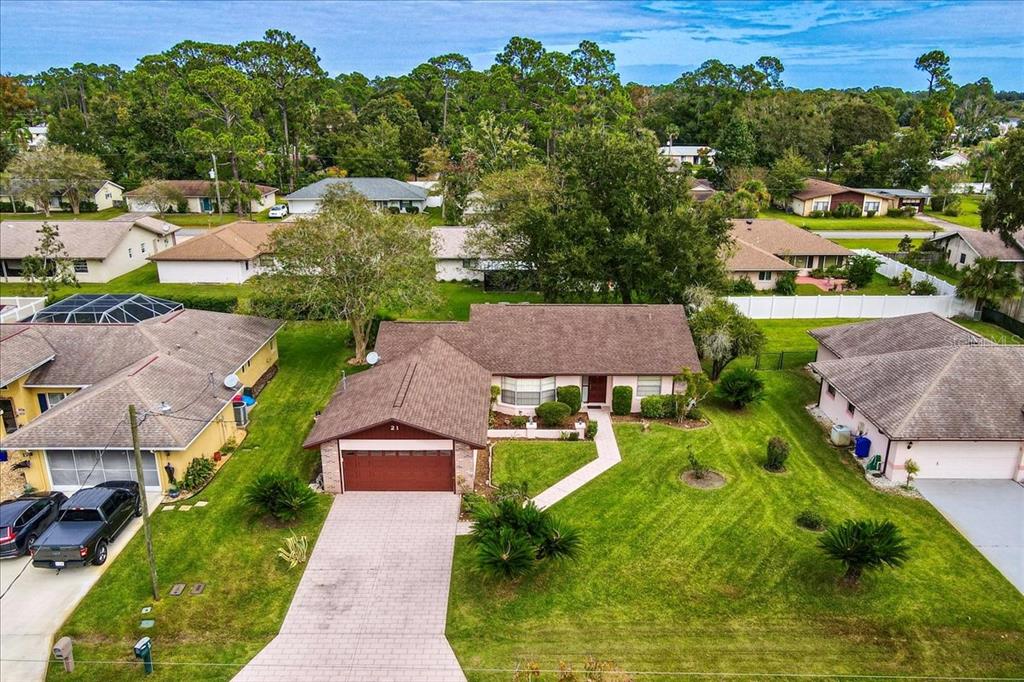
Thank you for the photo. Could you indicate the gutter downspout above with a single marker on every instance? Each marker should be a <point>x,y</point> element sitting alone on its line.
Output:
<point>885,462</point>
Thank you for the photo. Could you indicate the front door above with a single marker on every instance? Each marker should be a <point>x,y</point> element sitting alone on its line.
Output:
<point>205,205</point>
<point>7,410</point>
<point>595,389</point>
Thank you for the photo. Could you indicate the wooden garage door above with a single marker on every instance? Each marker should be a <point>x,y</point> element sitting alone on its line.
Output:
<point>399,470</point>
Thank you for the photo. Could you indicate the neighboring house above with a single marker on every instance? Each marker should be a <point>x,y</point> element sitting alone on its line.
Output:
<point>964,246</point>
<point>38,136</point>
<point>418,419</point>
<point>701,190</point>
<point>901,198</point>
<point>229,254</point>
<point>954,160</point>
<point>434,197</point>
<point>924,389</point>
<point>688,155</point>
<point>964,188</point>
<point>385,193</point>
<point>101,249</point>
<point>764,249</point>
<point>67,386</point>
<point>201,197</point>
<point>454,261</point>
<point>822,195</point>
<point>106,194</point>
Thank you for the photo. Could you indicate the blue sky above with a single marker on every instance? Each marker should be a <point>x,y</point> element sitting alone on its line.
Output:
<point>827,44</point>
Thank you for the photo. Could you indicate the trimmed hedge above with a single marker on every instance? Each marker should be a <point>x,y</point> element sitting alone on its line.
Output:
<point>571,396</point>
<point>216,303</point>
<point>591,430</point>
<point>658,407</point>
<point>553,414</point>
<point>622,400</point>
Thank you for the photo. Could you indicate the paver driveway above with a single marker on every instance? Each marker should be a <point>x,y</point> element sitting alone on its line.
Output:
<point>372,602</point>
<point>989,513</point>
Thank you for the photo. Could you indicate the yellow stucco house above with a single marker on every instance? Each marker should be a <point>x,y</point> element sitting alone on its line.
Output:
<point>65,388</point>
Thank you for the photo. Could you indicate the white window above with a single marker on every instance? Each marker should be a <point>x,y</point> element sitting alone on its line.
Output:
<point>963,257</point>
<point>650,385</point>
<point>53,398</point>
<point>809,262</point>
<point>142,247</point>
<point>820,205</point>
<point>764,276</point>
<point>871,206</point>
<point>527,392</point>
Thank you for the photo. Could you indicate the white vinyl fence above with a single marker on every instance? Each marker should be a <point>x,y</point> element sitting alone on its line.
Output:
<point>15,308</point>
<point>794,307</point>
<point>893,268</point>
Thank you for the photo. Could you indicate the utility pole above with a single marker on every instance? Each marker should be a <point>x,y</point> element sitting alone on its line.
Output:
<point>134,421</point>
<point>216,184</point>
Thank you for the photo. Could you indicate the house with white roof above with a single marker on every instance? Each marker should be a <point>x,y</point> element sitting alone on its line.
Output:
<point>385,193</point>
<point>688,154</point>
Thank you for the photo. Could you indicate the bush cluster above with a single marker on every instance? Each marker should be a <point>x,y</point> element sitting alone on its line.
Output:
<point>658,407</point>
<point>622,400</point>
<point>199,471</point>
<point>519,421</point>
<point>846,210</point>
<point>512,537</point>
<point>571,396</point>
<point>742,286</point>
<point>553,414</point>
<point>778,453</point>
<point>786,284</point>
<point>591,430</point>
<point>740,386</point>
<point>810,519</point>
<point>283,496</point>
<point>214,302</point>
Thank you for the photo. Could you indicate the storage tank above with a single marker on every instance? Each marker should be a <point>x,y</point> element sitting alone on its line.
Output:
<point>862,447</point>
<point>840,435</point>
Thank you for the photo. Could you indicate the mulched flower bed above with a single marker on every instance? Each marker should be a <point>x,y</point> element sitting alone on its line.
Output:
<point>686,424</point>
<point>711,480</point>
<point>504,421</point>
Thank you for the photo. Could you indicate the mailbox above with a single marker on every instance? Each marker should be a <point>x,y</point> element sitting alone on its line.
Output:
<point>62,650</point>
<point>144,651</point>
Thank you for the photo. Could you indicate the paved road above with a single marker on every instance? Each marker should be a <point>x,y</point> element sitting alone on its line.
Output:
<point>990,514</point>
<point>39,602</point>
<point>372,603</point>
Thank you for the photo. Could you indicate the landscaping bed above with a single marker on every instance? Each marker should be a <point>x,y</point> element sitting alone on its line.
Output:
<point>685,424</point>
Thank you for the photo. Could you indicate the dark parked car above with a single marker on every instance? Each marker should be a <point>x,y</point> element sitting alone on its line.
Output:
<point>89,521</point>
<point>24,519</point>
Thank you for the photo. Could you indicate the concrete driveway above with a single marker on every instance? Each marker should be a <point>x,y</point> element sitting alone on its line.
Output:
<point>990,514</point>
<point>39,602</point>
<point>372,603</point>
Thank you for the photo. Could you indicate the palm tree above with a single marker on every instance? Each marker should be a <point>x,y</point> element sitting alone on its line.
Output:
<point>863,545</point>
<point>988,281</point>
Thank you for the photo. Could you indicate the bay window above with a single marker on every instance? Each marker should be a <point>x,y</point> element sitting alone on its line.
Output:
<point>649,385</point>
<point>527,392</point>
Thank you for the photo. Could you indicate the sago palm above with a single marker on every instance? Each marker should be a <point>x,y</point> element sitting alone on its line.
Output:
<point>864,545</point>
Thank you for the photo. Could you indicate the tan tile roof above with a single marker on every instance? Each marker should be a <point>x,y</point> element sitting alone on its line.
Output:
<point>547,339</point>
<point>180,358</point>
<point>895,334</point>
<point>960,393</point>
<point>24,349</point>
<point>433,387</point>
<point>990,244</point>
<point>198,188</point>
<point>93,239</point>
<point>744,257</point>
<point>781,238</point>
<point>238,241</point>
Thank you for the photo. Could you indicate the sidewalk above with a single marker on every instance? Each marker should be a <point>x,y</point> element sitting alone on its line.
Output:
<point>940,224</point>
<point>607,457</point>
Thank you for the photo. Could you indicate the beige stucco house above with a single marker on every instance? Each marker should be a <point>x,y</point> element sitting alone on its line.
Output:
<point>105,194</point>
<point>964,246</point>
<point>822,195</point>
<point>229,254</point>
<point>923,388</point>
<point>762,250</point>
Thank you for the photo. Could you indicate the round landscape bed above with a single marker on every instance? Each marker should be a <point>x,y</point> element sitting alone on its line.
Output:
<point>711,481</point>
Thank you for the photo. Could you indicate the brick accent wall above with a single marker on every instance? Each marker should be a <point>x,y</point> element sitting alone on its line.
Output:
<point>332,466</point>
<point>465,468</point>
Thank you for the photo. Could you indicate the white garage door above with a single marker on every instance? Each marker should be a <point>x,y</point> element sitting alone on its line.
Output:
<point>74,469</point>
<point>966,460</point>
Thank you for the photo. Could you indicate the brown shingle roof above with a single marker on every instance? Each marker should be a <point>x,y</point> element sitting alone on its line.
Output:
<point>237,241</point>
<point>744,257</point>
<point>547,339</point>
<point>24,349</point>
<point>963,393</point>
<point>93,239</point>
<point>784,239</point>
<point>434,388</point>
<point>813,187</point>
<point>198,188</point>
<point>180,358</point>
<point>990,244</point>
<point>894,334</point>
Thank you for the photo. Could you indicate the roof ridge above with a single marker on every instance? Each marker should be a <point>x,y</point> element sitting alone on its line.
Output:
<point>912,412</point>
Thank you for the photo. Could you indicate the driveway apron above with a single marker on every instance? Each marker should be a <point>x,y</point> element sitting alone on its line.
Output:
<point>372,603</point>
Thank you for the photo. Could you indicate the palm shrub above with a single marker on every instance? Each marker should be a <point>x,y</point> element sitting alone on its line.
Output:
<point>622,400</point>
<point>553,414</point>
<point>571,396</point>
<point>283,496</point>
<point>197,473</point>
<point>864,545</point>
<point>512,538</point>
<point>740,386</point>
<point>778,453</point>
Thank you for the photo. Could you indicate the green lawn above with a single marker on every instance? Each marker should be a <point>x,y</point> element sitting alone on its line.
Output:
<point>879,286</point>
<point>989,331</point>
<point>454,299</point>
<point>539,463</point>
<point>105,214</point>
<point>969,213</point>
<point>248,588</point>
<point>675,579</point>
<point>876,245</point>
<point>787,335</point>
<point>863,223</point>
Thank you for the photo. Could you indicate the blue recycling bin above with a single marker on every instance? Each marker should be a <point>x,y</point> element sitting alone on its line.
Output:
<point>862,447</point>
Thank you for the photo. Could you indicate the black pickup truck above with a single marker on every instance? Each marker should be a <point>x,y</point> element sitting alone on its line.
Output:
<point>88,522</point>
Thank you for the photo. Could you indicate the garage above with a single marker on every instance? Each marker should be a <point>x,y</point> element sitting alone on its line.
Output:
<point>984,460</point>
<point>398,470</point>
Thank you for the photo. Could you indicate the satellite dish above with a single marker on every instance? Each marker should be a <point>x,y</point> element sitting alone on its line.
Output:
<point>231,381</point>
<point>372,358</point>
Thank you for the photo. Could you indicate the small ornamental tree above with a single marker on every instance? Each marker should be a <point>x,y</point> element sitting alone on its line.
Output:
<point>864,545</point>
<point>786,284</point>
<point>860,269</point>
<point>912,469</point>
<point>49,264</point>
<point>698,386</point>
<point>722,334</point>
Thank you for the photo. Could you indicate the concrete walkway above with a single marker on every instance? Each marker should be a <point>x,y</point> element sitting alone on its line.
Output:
<point>372,603</point>
<point>607,457</point>
<point>940,224</point>
<point>878,234</point>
